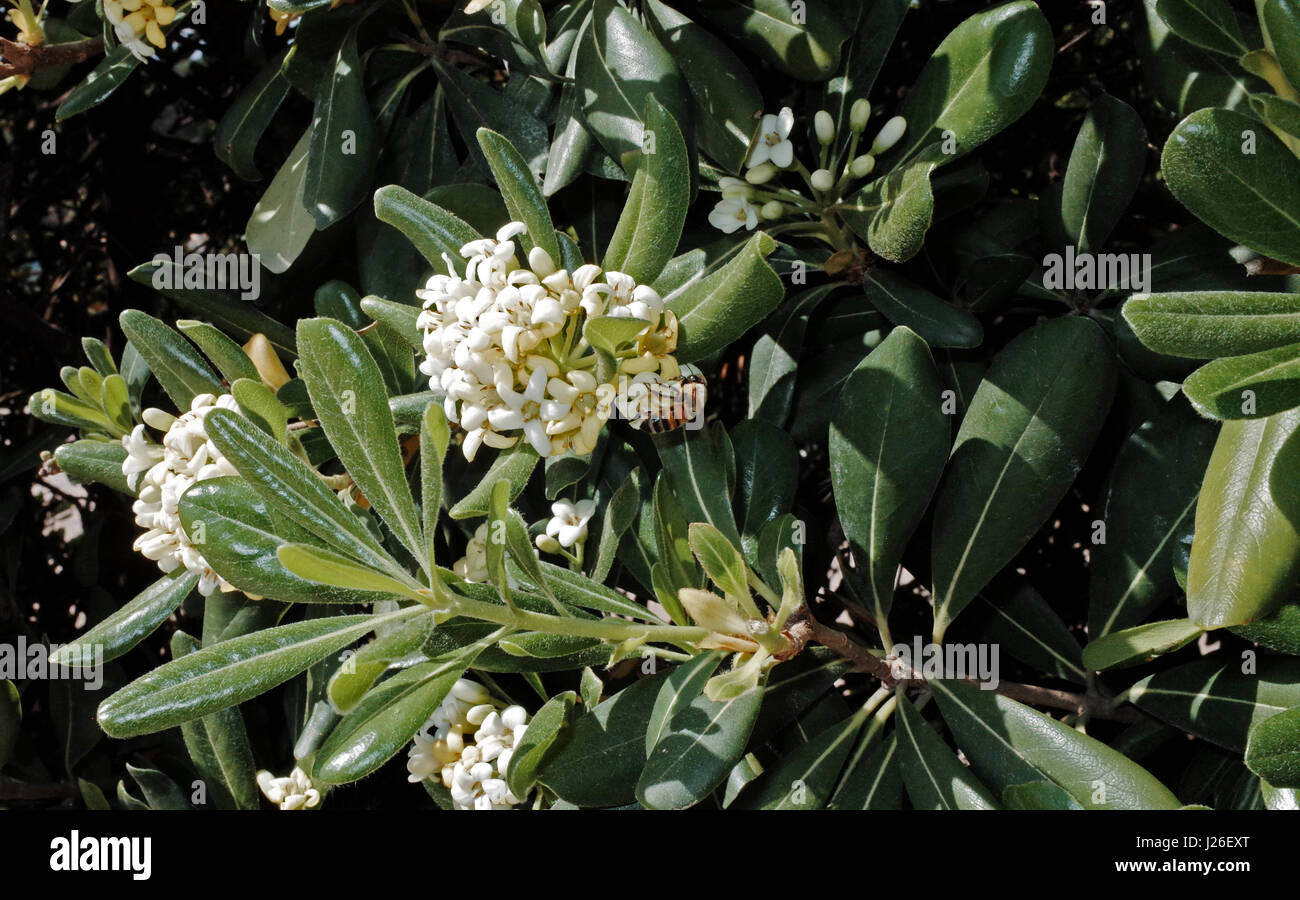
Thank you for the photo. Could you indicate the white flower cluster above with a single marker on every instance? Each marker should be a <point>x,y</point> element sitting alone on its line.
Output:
<point>744,202</point>
<point>470,747</point>
<point>504,342</point>
<point>293,791</point>
<point>185,457</point>
<point>138,24</point>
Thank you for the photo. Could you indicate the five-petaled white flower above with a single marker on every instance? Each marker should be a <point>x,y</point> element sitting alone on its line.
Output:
<point>773,144</point>
<point>569,520</point>
<point>731,213</point>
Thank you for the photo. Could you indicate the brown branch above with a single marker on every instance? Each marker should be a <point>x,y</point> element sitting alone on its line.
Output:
<point>1264,266</point>
<point>803,628</point>
<point>25,59</point>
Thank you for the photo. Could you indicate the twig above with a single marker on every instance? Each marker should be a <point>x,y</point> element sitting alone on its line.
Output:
<point>803,628</point>
<point>25,59</point>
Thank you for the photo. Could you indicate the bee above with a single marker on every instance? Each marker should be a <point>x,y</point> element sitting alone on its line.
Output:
<point>672,404</point>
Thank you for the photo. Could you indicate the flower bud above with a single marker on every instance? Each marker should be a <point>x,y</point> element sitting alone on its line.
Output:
<point>824,125</point>
<point>889,135</point>
<point>772,210</point>
<point>761,174</point>
<point>862,166</point>
<point>859,114</point>
<point>823,180</point>
<point>546,543</point>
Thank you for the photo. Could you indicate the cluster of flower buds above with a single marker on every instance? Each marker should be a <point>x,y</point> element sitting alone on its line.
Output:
<point>161,473</point>
<point>293,791</point>
<point>139,24</point>
<point>467,743</point>
<point>747,201</point>
<point>503,342</point>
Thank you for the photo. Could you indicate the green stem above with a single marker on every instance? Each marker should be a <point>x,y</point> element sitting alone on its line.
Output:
<point>602,629</point>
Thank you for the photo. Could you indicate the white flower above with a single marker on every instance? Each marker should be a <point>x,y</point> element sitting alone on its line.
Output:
<point>467,744</point>
<point>472,566</point>
<point>731,213</point>
<point>293,791</point>
<point>569,520</point>
<point>773,142</point>
<point>185,457</point>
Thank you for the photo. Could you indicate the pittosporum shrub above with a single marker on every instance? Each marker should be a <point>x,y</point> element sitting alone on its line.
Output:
<point>744,403</point>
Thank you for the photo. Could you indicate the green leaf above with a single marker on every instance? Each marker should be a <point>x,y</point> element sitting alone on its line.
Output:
<point>724,97</point>
<point>258,403</point>
<point>129,625</point>
<point>767,473</point>
<point>872,781</point>
<point>609,333</point>
<point>475,105</point>
<point>239,537</point>
<point>722,306</point>
<point>1273,750</point>
<point>432,229</point>
<point>683,684</point>
<point>1027,627</point>
<point>1251,197</point>
<point>985,74</point>
<point>106,78</point>
<point>807,777</point>
<point>894,213</point>
<point>1009,744</point>
<point>218,745</point>
<point>619,65</point>
<point>704,740</point>
<point>539,737</point>
<point>578,590</point>
<point>700,473</point>
<point>228,673</point>
<point>905,304</point>
<point>1280,631</point>
<point>281,225</point>
<point>889,441</point>
<point>1220,703</point>
<point>1280,20</point>
<point>522,193</point>
<point>435,435</point>
<point>618,516</point>
<point>88,461</point>
<point>514,465</point>
<point>1247,387</point>
<point>386,719</point>
<point>1246,554</point>
<point>11,719</point>
<point>1209,324</point>
<point>350,683</point>
<point>347,392</point>
<point>1139,644</point>
<point>1106,164</point>
<point>289,485</point>
<point>800,40</point>
<point>401,317</point>
<point>720,559</point>
<point>333,569</point>
<point>1281,114</point>
<point>610,739</point>
<point>932,773</point>
<point>178,367</point>
<point>1025,436</point>
<point>1037,795</point>
<point>229,358</point>
<point>1151,500</point>
<point>1210,24</point>
<point>651,222</point>
<point>247,118</point>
